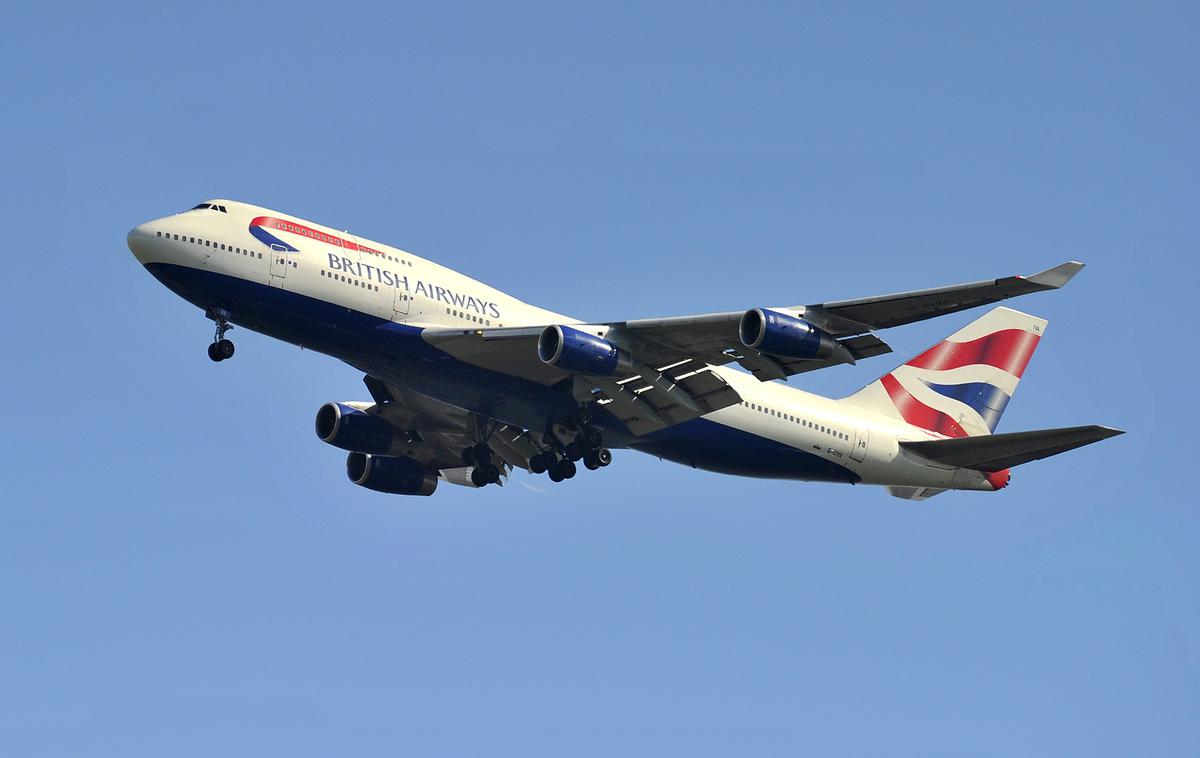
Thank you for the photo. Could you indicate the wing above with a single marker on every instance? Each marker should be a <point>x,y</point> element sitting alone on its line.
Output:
<point>715,337</point>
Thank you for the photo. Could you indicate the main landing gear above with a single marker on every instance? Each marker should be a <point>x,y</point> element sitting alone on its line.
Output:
<point>221,349</point>
<point>587,446</point>
<point>485,470</point>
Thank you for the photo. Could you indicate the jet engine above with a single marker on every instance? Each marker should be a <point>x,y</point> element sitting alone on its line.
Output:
<point>581,353</point>
<point>395,476</point>
<point>349,428</point>
<point>776,333</point>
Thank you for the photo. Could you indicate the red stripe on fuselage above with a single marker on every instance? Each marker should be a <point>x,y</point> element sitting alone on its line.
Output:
<point>917,413</point>
<point>1008,350</point>
<point>270,222</point>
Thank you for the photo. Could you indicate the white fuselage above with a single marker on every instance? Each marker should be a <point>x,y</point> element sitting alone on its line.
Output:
<point>367,277</point>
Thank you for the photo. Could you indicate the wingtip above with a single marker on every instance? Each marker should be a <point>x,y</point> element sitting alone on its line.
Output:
<point>1057,276</point>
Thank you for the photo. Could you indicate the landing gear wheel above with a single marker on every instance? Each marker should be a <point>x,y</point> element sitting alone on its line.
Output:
<point>604,456</point>
<point>537,464</point>
<point>221,349</point>
<point>592,461</point>
<point>567,468</point>
<point>555,473</point>
<point>492,473</point>
<point>479,478</point>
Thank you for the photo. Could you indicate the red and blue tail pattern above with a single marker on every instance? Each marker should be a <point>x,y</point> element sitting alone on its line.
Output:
<point>960,386</point>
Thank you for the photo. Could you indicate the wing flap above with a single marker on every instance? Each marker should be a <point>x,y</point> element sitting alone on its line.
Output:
<point>995,452</point>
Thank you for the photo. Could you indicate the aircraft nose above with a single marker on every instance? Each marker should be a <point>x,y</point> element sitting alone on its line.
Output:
<point>139,243</point>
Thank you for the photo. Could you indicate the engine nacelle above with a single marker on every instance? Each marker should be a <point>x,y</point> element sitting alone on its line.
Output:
<point>395,476</point>
<point>581,353</point>
<point>776,333</point>
<point>349,428</point>
<point>460,476</point>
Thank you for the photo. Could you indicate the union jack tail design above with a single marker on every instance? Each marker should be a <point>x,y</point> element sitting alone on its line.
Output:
<point>960,386</point>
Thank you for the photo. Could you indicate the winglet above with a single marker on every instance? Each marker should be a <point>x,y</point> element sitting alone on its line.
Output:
<point>1053,278</point>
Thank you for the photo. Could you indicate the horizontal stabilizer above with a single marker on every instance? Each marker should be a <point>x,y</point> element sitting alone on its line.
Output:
<point>995,452</point>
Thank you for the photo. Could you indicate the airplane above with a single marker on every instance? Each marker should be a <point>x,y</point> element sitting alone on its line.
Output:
<point>468,383</point>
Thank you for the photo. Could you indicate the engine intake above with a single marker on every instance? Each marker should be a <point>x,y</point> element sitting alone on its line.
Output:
<point>580,353</point>
<point>787,336</point>
<point>347,427</point>
<point>395,476</point>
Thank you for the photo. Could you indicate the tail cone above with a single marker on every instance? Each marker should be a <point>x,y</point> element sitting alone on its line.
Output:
<point>999,479</point>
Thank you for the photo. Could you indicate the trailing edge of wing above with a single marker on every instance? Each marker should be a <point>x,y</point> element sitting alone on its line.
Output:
<point>995,452</point>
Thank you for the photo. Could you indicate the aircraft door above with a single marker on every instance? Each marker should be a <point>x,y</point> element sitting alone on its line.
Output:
<point>279,264</point>
<point>862,441</point>
<point>400,302</point>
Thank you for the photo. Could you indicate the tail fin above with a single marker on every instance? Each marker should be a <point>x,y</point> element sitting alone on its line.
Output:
<point>960,386</point>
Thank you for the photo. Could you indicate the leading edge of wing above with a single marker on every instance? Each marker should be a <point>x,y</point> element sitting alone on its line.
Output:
<point>860,315</point>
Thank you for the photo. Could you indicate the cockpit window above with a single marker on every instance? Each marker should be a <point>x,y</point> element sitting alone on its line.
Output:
<point>210,207</point>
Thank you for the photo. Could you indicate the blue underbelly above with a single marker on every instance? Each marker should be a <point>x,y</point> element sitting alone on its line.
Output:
<point>705,444</point>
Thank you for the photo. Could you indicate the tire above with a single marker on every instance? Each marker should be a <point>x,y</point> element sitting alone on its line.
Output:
<point>225,349</point>
<point>568,469</point>
<point>537,464</point>
<point>479,478</point>
<point>212,353</point>
<point>493,473</point>
<point>555,473</point>
<point>604,456</point>
<point>591,461</point>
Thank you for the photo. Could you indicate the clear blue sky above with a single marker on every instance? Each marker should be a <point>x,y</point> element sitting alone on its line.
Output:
<point>186,571</point>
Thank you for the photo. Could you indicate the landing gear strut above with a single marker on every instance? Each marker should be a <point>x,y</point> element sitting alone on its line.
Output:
<point>221,349</point>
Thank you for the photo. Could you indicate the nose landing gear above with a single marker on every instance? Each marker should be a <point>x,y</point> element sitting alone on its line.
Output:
<point>221,349</point>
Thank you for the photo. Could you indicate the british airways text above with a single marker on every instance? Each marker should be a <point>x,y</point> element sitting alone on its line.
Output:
<point>418,287</point>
